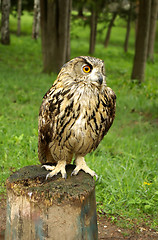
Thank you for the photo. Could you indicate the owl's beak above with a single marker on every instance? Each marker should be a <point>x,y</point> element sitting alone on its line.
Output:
<point>100,79</point>
<point>97,77</point>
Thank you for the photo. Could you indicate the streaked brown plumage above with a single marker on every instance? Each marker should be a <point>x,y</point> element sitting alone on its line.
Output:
<point>75,114</point>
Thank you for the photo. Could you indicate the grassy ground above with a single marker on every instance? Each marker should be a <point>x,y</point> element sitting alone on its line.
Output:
<point>126,160</point>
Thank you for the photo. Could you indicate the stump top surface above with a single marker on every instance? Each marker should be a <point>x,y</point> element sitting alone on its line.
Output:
<point>31,181</point>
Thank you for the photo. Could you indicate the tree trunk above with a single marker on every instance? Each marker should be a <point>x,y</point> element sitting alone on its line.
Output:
<point>80,10</point>
<point>93,33</point>
<point>139,64</point>
<point>55,27</point>
<point>19,17</point>
<point>107,38</point>
<point>36,19</point>
<point>50,209</point>
<point>68,49</point>
<point>152,29</point>
<point>128,28</point>
<point>5,34</point>
<point>136,20</point>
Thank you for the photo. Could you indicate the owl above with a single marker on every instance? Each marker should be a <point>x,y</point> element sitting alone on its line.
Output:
<point>76,113</point>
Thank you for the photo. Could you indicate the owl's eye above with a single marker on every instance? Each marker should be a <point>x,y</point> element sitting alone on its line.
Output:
<point>86,68</point>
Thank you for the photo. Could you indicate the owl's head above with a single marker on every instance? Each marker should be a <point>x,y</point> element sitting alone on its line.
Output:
<point>86,70</point>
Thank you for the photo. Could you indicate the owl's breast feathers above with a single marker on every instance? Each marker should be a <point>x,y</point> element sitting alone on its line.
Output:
<point>74,118</point>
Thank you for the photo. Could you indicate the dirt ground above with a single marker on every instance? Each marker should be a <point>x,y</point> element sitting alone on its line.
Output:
<point>106,229</point>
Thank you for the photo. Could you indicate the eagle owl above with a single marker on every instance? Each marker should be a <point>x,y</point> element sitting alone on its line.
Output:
<point>76,113</point>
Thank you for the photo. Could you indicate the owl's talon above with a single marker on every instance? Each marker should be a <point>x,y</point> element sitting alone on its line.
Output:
<point>81,165</point>
<point>64,175</point>
<point>60,167</point>
<point>92,173</point>
<point>96,176</point>
<point>48,167</point>
<point>47,176</point>
<point>74,172</point>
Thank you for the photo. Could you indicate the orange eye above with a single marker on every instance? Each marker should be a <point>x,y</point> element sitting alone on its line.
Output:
<point>86,68</point>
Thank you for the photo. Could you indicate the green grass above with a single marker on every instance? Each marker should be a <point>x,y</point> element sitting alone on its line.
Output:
<point>126,160</point>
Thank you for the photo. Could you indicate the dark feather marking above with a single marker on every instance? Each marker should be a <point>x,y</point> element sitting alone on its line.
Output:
<point>51,146</point>
<point>102,119</point>
<point>105,131</point>
<point>81,146</point>
<point>57,111</point>
<point>90,126</point>
<point>76,115</point>
<point>97,106</point>
<point>70,95</point>
<point>46,133</point>
<point>104,104</point>
<point>98,103</point>
<point>78,109</point>
<point>106,97</point>
<point>70,144</point>
<point>107,112</point>
<point>62,130</point>
<point>65,92</point>
<point>58,107</point>
<point>72,124</point>
<point>68,113</point>
<point>56,95</point>
<point>86,62</point>
<point>96,125</point>
<point>62,118</point>
<point>69,107</point>
<point>67,137</point>
<point>52,107</point>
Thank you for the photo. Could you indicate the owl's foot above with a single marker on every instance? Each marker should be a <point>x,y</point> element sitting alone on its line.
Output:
<point>81,165</point>
<point>60,167</point>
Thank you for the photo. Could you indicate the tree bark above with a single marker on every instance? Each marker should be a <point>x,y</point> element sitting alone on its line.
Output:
<point>19,9</point>
<point>36,19</point>
<point>128,28</point>
<point>140,57</point>
<point>5,33</point>
<point>55,28</point>
<point>107,38</point>
<point>93,33</point>
<point>152,30</point>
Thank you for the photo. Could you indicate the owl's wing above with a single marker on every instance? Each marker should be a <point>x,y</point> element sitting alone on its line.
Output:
<point>46,125</point>
<point>55,116</point>
<point>109,93</point>
<point>107,105</point>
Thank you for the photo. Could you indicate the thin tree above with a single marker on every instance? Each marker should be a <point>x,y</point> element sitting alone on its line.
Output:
<point>111,23</point>
<point>93,27</point>
<point>19,9</point>
<point>5,33</point>
<point>128,27</point>
<point>138,71</point>
<point>152,31</point>
<point>68,49</point>
<point>36,20</point>
<point>55,30</point>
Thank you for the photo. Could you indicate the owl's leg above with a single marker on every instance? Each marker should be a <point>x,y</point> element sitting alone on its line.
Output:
<point>60,167</point>
<point>81,165</point>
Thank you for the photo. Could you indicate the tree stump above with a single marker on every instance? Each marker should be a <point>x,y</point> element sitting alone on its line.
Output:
<point>54,209</point>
